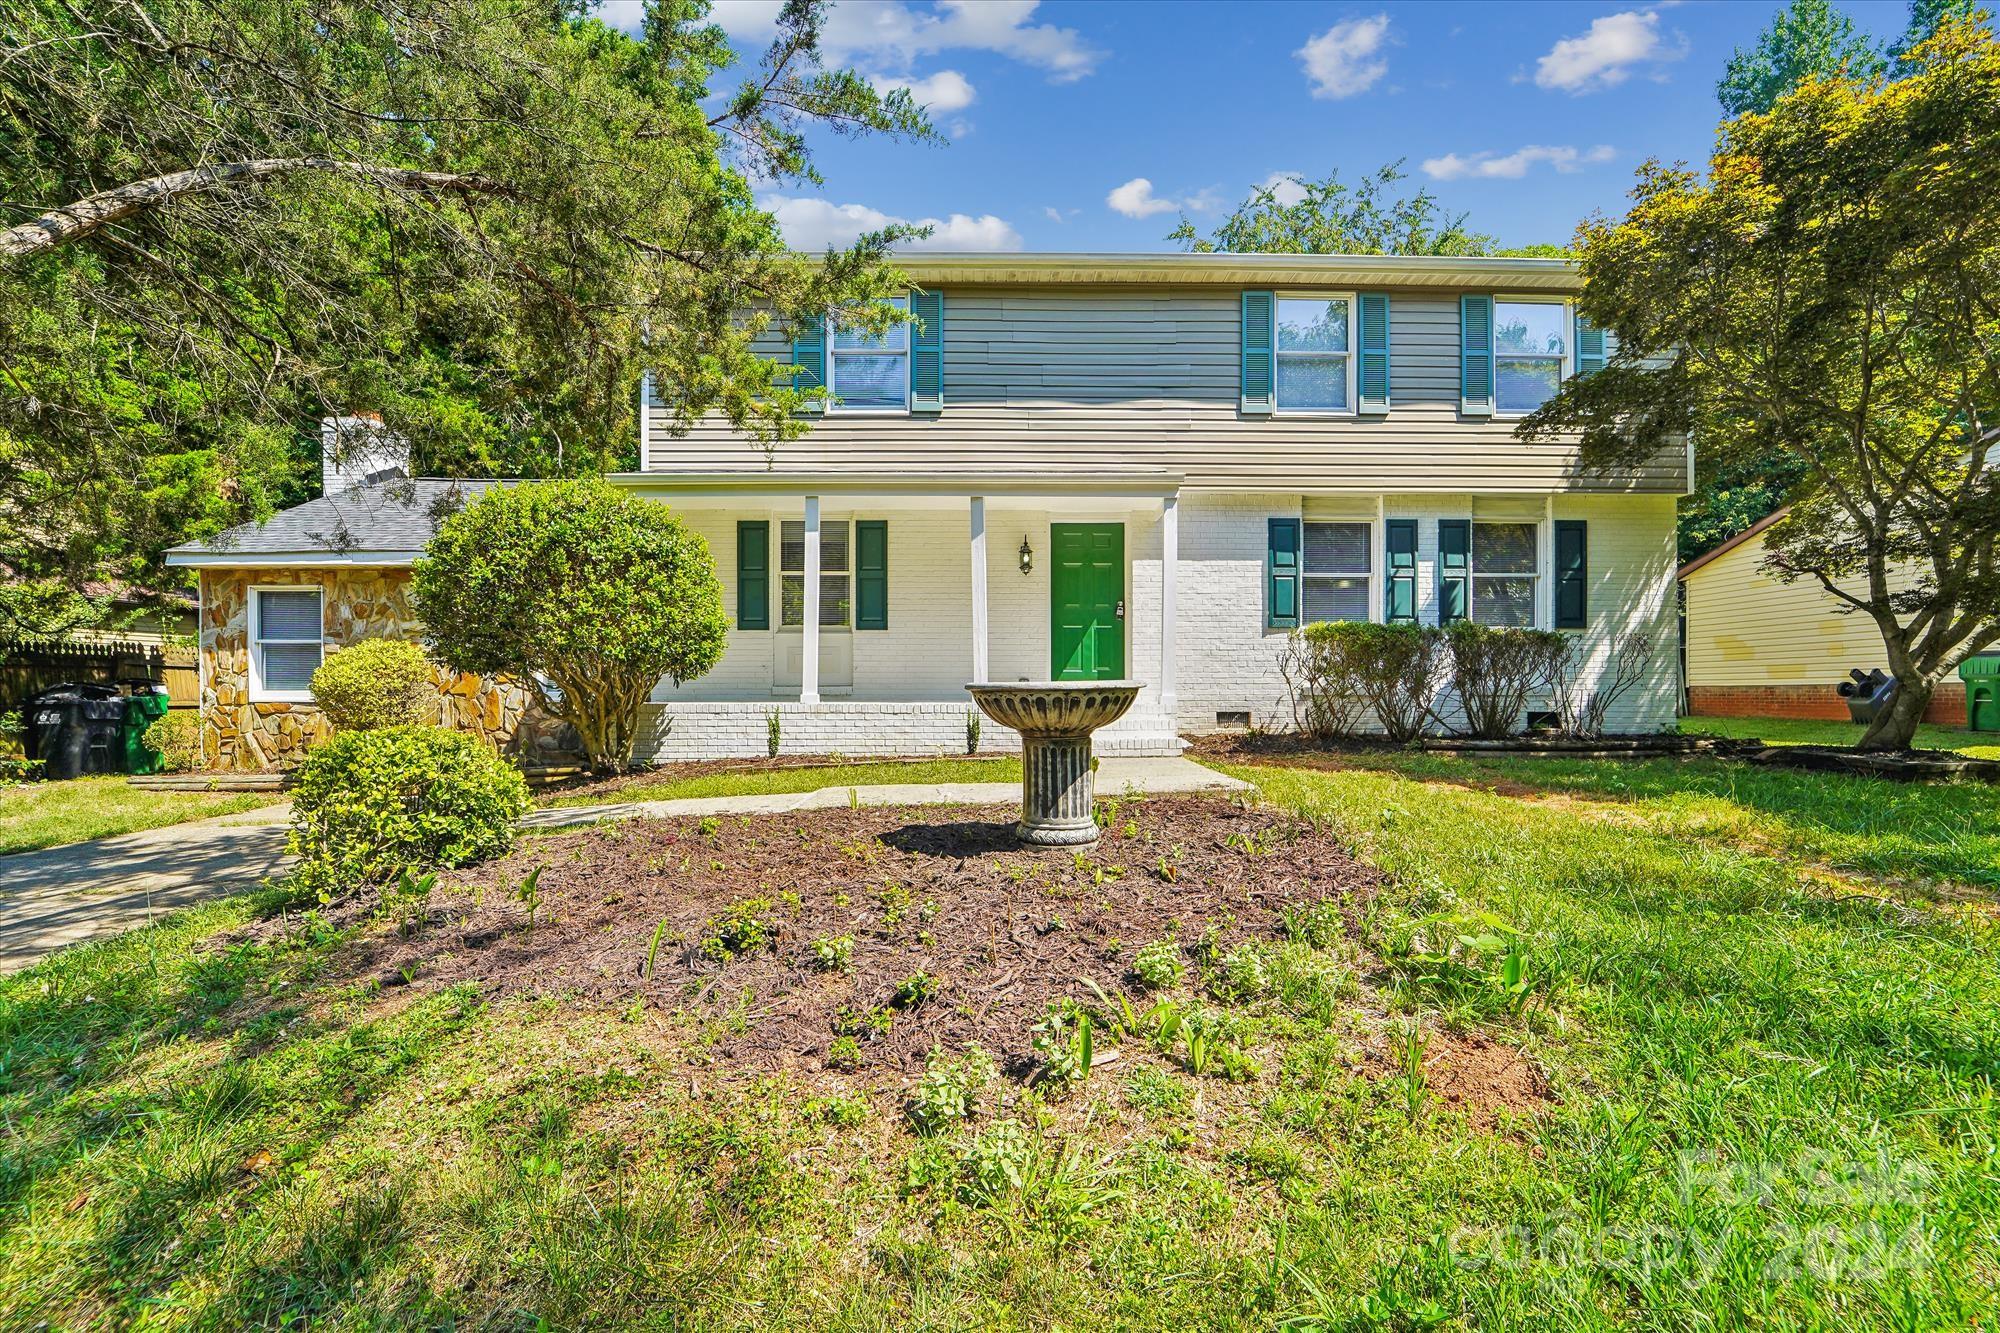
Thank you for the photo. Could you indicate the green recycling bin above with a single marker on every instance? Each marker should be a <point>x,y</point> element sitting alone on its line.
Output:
<point>143,707</point>
<point>1982,691</point>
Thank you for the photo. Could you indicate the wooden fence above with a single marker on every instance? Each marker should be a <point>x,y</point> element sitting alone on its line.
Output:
<point>28,669</point>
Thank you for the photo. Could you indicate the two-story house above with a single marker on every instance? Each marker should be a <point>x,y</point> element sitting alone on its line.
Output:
<point>1146,467</point>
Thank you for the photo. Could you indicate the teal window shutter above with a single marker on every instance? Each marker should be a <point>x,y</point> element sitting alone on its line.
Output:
<point>1281,574</point>
<point>1589,347</point>
<point>927,353</point>
<point>1374,350</point>
<point>1259,313</point>
<point>809,354</point>
<point>871,574</point>
<point>1572,573</point>
<point>1454,569</point>
<point>753,574</point>
<point>1400,602</point>
<point>1475,354</point>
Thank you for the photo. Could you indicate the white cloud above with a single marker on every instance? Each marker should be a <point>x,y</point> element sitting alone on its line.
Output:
<point>1346,59</point>
<point>1287,187</point>
<point>1135,199</point>
<point>942,93</point>
<point>1514,165</point>
<point>815,224</point>
<point>888,34</point>
<point>1606,55</point>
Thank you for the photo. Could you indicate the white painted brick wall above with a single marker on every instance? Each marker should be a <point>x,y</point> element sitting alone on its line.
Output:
<point>908,691</point>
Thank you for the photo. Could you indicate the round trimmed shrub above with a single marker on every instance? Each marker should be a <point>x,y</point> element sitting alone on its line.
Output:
<point>373,684</point>
<point>368,804</point>
<point>176,738</point>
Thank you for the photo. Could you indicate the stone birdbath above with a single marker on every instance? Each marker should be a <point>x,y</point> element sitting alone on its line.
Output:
<point>1055,719</point>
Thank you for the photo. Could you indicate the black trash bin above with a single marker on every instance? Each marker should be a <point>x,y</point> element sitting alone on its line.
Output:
<point>76,729</point>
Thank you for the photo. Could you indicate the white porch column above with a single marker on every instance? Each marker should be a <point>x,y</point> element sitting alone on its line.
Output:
<point>979,655</point>
<point>1170,558</point>
<point>1545,561</point>
<point>809,632</point>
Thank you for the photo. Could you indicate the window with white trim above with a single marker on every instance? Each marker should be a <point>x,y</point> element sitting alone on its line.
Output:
<point>1530,353</point>
<point>1314,349</point>
<point>836,577</point>
<point>286,641</point>
<point>1506,569</point>
<point>1338,571</point>
<point>869,372</point>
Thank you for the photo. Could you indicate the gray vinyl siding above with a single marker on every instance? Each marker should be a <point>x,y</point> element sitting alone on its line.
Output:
<point>1076,377</point>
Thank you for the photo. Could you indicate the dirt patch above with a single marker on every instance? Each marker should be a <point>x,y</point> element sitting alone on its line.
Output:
<point>1483,1078</point>
<point>997,930</point>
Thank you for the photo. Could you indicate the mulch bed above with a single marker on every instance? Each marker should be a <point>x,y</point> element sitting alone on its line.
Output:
<point>655,774</point>
<point>1003,929</point>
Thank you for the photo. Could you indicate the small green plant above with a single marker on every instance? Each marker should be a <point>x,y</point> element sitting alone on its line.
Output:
<point>895,901</point>
<point>1411,1044</point>
<point>745,926</point>
<point>916,989</point>
<point>949,1088</point>
<point>709,826</point>
<point>1063,1039</point>
<point>833,953</point>
<point>176,738</point>
<point>844,1053</point>
<point>863,1022</point>
<point>653,949</point>
<point>996,1162</point>
<point>528,893</point>
<point>1317,924</point>
<point>1168,867</point>
<point>841,1112</point>
<point>972,731</point>
<point>1242,974</point>
<point>774,731</point>
<point>1158,965</point>
<point>408,899</point>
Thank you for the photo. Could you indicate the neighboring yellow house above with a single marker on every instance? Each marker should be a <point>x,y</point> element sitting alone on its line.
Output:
<point>1758,646</point>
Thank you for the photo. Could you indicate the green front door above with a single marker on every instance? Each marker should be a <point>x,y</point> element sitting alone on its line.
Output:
<point>1087,600</point>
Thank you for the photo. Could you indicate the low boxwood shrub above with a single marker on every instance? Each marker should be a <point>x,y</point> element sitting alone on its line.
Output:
<point>176,738</point>
<point>375,683</point>
<point>370,804</point>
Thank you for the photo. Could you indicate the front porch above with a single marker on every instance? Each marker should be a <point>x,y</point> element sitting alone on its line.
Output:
<point>861,607</point>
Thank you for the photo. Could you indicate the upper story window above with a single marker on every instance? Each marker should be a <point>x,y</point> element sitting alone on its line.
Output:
<point>870,372</point>
<point>1314,347</point>
<point>1505,570</point>
<point>1530,353</point>
<point>835,575</point>
<point>286,642</point>
<point>1338,569</point>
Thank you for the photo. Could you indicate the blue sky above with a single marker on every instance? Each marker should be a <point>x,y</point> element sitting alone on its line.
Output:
<point>1093,126</point>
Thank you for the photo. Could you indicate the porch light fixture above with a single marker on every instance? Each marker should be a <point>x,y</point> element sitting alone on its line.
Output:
<point>1027,557</point>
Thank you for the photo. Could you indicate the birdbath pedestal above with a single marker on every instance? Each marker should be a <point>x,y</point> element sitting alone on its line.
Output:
<point>1055,719</point>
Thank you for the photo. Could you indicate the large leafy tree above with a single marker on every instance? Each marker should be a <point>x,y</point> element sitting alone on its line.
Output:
<point>1829,295</point>
<point>1329,216</point>
<point>481,218</point>
<point>1807,39</point>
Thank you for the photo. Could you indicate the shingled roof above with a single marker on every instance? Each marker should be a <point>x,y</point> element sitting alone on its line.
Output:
<point>383,522</point>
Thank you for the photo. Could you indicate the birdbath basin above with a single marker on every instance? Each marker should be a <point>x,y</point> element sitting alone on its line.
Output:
<point>1055,719</point>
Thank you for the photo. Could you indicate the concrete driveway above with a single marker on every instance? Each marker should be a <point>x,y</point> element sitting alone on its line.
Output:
<point>64,895</point>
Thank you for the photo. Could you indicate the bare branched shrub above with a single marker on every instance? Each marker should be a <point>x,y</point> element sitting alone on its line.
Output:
<point>1327,701</point>
<point>1583,697</point>
<point>1494,672</point>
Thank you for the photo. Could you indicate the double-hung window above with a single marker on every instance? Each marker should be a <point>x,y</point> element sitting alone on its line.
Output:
<point>286,642</point>
<point>1338,571</point>
<point>836,578</point>
<point>1314,347</point>
<point>1531,345</point>
<point>1505,572</point>
<point>869,372</point>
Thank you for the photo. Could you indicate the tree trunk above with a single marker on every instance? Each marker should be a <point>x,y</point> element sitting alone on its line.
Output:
<point>1896,726</point>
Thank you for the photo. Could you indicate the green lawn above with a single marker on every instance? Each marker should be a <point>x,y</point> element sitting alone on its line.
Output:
<point>777,781</point>
<point>54,814</point>
<point>1774,1106</point>
<point>1795,731</point>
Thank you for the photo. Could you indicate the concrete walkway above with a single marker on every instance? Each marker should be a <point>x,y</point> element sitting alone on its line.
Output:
<point>62,896</point>
<point>1115,777</point>
<point>65,895</point>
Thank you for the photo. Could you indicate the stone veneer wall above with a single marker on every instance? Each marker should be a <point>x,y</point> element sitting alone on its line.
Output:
<point>360,603</point>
